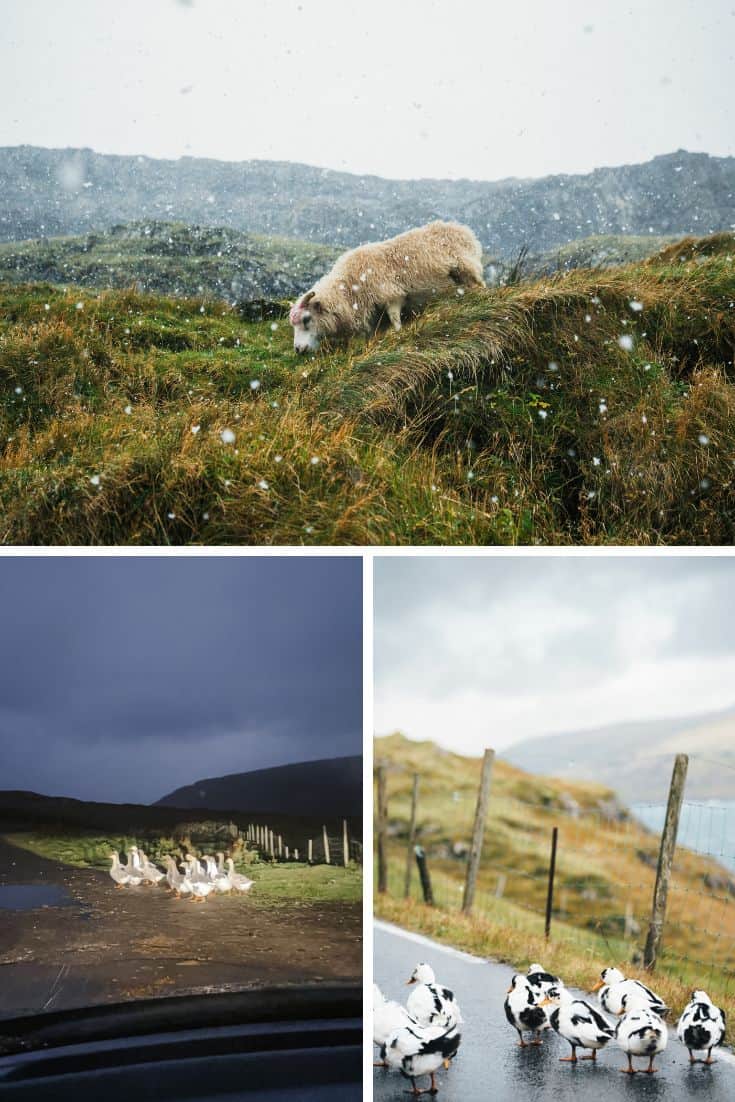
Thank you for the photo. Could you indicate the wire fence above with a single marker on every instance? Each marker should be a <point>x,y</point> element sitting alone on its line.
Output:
<point>607,863</point>
<point>324,847</point>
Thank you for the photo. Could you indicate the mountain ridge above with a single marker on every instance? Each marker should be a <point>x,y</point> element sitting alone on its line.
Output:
<point>51,192</point>
<point>639,766</point>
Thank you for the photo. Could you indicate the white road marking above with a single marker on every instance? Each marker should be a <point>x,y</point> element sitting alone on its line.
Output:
<point>435,946</point>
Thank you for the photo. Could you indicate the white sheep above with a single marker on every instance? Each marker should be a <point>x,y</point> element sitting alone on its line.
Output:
<point>384,277</point>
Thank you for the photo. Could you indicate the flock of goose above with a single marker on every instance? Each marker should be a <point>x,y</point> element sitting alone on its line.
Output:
<point>420,1037</point>
<point>193,879</point>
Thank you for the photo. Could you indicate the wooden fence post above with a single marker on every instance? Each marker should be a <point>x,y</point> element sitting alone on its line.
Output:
<point>550,889</point>
<point>325,842</point>
<point>311,851</point>
<point>665,861</point>
<point>411,837</point>
<point>345,844</point>
<point>478,831</point>
<point>424,874</point>
<point>382,829</point>
<point>295,855</point>
<point>280,846</point>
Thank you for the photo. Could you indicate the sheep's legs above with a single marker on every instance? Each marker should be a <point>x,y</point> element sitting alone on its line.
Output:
<point>393,310</point>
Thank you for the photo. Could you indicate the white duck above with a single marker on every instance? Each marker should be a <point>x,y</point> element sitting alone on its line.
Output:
<point>388,1016</point>
<point>416,1050</point>
<point>577,1022</point>
<point>617,994</point>
<point>239,882</point>
<point>701,1026</point>
<point>541,980</point>
<point>118,872</point>
<point>523,1011</point>
<point>430,1003</point>
<point>641,1032</point>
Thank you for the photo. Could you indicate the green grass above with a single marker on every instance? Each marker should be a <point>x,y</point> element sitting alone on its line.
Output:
<point>273,881</point>
<point>455,431</point>
<point>171,258</point>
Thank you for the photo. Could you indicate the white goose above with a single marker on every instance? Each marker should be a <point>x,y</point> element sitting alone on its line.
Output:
<point>150,873</point>
<point>118,872</point>
<point>430,1003</point>
<point>192,883</point>
<point>239,882</point>
<point>132,868</point>
<point>221,880</point>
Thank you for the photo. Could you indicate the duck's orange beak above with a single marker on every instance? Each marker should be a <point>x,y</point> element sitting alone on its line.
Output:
<point>509,991</point>
<point>412,980</point>
<point>544,1002</point>
<point>446,1064</point>
<point>598,985</point>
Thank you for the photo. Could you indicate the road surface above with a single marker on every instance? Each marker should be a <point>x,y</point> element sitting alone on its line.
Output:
<point>491,1067</point>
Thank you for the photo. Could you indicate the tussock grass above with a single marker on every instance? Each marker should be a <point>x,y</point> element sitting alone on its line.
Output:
<point>504,416</point>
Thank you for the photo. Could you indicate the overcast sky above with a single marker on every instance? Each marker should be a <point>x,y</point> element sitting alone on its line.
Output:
<point>445,88</point>
<point>124,678</point>
<point>476,652</point>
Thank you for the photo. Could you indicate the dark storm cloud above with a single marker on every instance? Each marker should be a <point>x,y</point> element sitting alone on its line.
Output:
<point>121,678</point>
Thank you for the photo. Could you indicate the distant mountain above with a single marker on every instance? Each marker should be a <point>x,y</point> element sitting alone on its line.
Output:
<point>636,759</point>
<point>331,788</point>
<point>51,192</point>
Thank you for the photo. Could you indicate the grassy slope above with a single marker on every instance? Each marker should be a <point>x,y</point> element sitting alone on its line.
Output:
<point>171,258</point>
<point>599,874</point>
<point>455,431</point>
<point>295,880</point>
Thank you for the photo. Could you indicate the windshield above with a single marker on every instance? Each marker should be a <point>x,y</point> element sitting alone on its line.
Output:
<point>182,773</point>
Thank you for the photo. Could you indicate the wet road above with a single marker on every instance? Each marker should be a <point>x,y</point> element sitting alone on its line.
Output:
<point>104,945</point>
<point>492,1068</point>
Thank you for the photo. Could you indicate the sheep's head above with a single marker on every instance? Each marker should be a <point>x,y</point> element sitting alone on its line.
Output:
<point>306,319</point>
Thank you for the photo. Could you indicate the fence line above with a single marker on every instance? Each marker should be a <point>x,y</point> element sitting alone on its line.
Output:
<point>322,849</point>
<point>694,930</point>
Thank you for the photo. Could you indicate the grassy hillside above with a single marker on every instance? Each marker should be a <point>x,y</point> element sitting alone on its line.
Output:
<point>604,877</point>
<point>171,258</point>
<point>591,407</point>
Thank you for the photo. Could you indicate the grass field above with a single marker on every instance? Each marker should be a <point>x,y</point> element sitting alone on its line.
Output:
<point>593,407</point>
<point>273,881</point>
<point>604,877</point>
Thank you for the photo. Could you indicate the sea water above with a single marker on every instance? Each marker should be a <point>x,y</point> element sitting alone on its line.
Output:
<point>707,827</point>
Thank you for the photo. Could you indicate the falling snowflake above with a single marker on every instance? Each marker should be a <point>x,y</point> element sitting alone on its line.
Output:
<point>314,460</point>
<point>626,342</point>
<point>195,429</point>
<point>543,414</point>
<point>636,306</point>
<point>227,436</point>
<point>263,484</point>
<point>274,326</point>
<point>255,384</point>
<point>277,458</point>
<point>171,516</point>
<point>95,480</point>
<point>128,409</point>
<point>703,438</point>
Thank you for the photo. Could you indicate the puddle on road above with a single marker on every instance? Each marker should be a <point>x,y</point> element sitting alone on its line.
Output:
<point>28,897</point>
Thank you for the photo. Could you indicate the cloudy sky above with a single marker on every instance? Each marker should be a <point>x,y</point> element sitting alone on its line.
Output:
<point>473,652</point>
<point>124,678</point>
<point>445,88</point>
